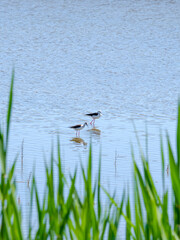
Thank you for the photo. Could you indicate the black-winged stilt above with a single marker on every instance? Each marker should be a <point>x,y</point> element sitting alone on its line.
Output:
<point>78,128</point>
<point>94,116</point>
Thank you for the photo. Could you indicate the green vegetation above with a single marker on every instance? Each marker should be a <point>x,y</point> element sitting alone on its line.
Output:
<point>63,214</point>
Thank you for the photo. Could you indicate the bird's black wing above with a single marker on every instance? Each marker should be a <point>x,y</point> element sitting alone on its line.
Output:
<point>76,126</point>
<point>92,114</point>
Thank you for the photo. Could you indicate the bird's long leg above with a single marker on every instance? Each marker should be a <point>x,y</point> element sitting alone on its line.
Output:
<point>93,122</point>
<point>79,133</point>
<point>76,133</point>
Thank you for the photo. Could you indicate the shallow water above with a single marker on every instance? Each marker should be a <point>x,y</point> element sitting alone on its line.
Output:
<point>75,57</point>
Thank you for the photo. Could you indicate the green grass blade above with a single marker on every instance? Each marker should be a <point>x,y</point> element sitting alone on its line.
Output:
<point>174,173</point>
<point>16,213</point>
<point>178,137</point>
<point>99,184</point>
<point>128,226</point>
<point>9,109</point>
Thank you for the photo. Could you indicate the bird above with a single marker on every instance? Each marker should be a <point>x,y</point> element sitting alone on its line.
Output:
<point>94,116</point>
<point>78,128</point>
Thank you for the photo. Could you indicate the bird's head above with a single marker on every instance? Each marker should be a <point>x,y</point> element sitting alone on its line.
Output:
<point>100,112</point>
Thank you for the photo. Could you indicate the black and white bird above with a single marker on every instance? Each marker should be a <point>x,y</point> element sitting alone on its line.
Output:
<point>78,128</point>
<point>94,116</point>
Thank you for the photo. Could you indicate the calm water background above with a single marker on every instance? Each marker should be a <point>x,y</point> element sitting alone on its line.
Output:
<point>74,57</point>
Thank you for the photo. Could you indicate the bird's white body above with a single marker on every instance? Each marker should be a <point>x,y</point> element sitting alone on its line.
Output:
<point>94,116</point>
<point>79,127</point>
<point>97,116</point>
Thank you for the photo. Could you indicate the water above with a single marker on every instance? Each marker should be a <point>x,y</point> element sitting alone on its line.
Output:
<point>76,57</point>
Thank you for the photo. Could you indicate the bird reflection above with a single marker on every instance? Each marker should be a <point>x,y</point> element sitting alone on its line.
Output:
<point>79,140</point>
<point>95,131</point>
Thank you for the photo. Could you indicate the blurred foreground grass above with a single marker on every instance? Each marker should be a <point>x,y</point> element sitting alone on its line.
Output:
<point>75,217</point>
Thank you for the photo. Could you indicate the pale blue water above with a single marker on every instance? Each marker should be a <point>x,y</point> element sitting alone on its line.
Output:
<point>75,57</point>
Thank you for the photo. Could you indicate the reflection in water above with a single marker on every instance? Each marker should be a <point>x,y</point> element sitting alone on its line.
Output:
<point>95,131</point>
<point>79,140</point>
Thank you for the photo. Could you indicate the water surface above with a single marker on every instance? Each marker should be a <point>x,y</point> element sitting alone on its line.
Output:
<point>75,57</point>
